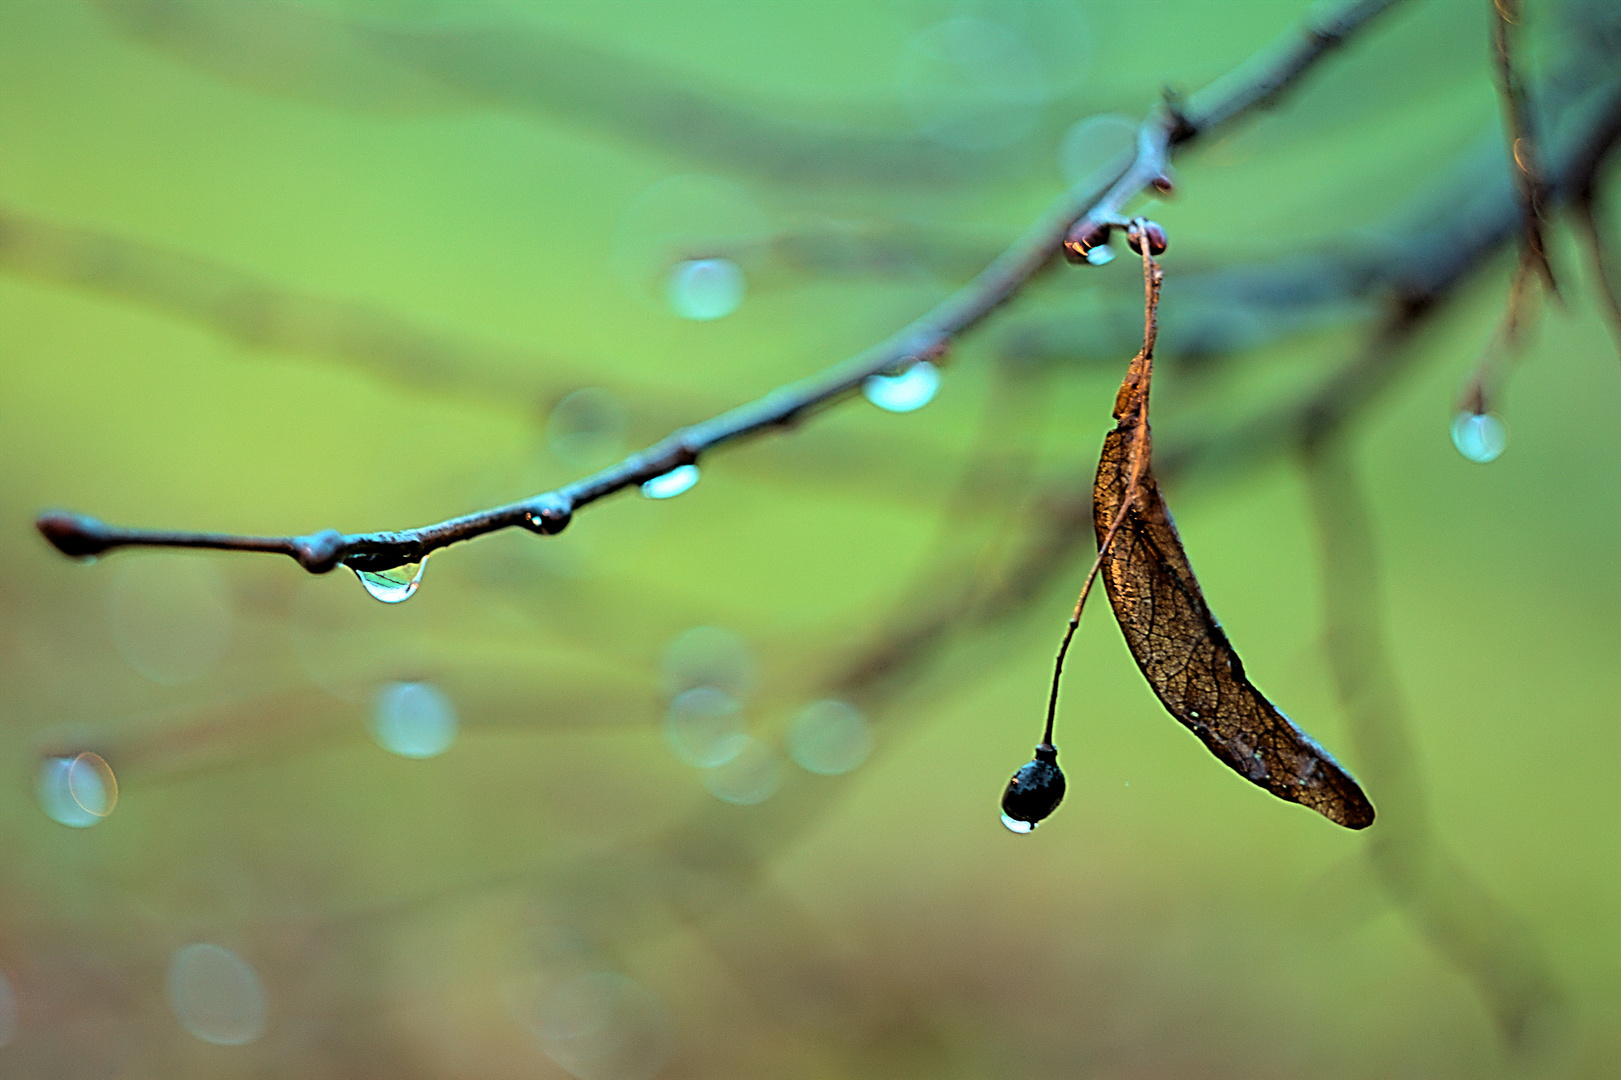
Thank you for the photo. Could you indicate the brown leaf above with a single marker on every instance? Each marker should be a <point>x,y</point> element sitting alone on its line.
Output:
<point>1180,647</point>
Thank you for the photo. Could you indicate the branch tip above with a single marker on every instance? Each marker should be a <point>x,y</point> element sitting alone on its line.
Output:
<point>75,535</point>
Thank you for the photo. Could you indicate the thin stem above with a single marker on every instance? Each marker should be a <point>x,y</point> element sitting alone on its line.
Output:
<point>1523,143</point>
<point>1142,366</point>
<point>1588,216</point>
<point>1158,140</point>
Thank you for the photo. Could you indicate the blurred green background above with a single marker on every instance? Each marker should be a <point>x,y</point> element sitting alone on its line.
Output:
<point>277,267</point>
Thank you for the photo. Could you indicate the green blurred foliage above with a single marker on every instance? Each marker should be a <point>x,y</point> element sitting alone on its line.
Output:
<point>1170,920</point>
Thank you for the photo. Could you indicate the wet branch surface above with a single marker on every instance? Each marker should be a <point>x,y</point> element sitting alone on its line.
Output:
<point>1070,217</point>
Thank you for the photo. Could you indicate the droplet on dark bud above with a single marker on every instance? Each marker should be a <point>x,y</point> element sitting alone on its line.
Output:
<point>74,535</point>
<point>548,519</point>
<point>1088,237</point>
<point>1034,792</point>
<point>1156,237</point>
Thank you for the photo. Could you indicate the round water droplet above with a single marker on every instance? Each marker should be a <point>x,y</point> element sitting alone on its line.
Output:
<point>1015,825</point>
<point>705,289</point>
<point>75,792</point>
<point>394,585</point>
<point>169,616</point>
<point>829,737</point>
<point>708,656</point>
<point>8,1011</point>
<point>1102,255</point>
<point>971,84</point>
<point>604,1026</point>
<point>911,389</point>
<point>671,483</point>
<point>1479,437</point>
<point>92,785</point>
<point>704,727</point>
<point>587,428</point>
<point>680,220</point>
<point>216,995</point>
<point>752,775</point>
<point>1091,143</point>
<point>413,719</point>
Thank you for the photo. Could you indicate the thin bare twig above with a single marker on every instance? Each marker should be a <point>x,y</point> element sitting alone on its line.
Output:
<point>1463,922</point>
<point>1159,138</point>
<point>1142,366</point>
<point>1589,218</point>
<point>1524,146</point>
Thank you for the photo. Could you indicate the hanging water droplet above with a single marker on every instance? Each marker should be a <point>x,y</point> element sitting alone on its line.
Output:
<point>830,738</point>
<point>1102,255</point>
<point>76,791</point>
<point>395,584</point>
<point>705,289</point>
<point>751,776</point>
<point>1034,792</point>
<point>708,656</point>
<point>1015,825</point>
<point>704,727</point>
<point>671,484</point>
<point>92,785</point>
<point>414,720</point>
<point>911,389</point>
<point>1480,437</point>
<point>216,995</point>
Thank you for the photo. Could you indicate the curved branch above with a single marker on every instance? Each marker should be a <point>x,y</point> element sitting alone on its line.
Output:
<point>1070,217</point>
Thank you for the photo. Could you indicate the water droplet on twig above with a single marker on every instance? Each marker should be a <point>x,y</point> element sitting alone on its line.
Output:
<point>911,389</point>
<point>396,584</point>
<point>671,484</point>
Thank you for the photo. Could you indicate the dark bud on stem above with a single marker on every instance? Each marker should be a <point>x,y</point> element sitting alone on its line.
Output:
<point>1034,792</point>
<point>1156,237</point>
<point>74,535</point>
<point>1083,239</point>
<point>1164,185</point>
<point>548,518</point>
<point>319,552</point>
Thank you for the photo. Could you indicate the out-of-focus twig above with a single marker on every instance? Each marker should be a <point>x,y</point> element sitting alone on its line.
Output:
<point>1523,144</point>
<point>1446,904</point>
<point>261,313</point>
<point>1589,214</point>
